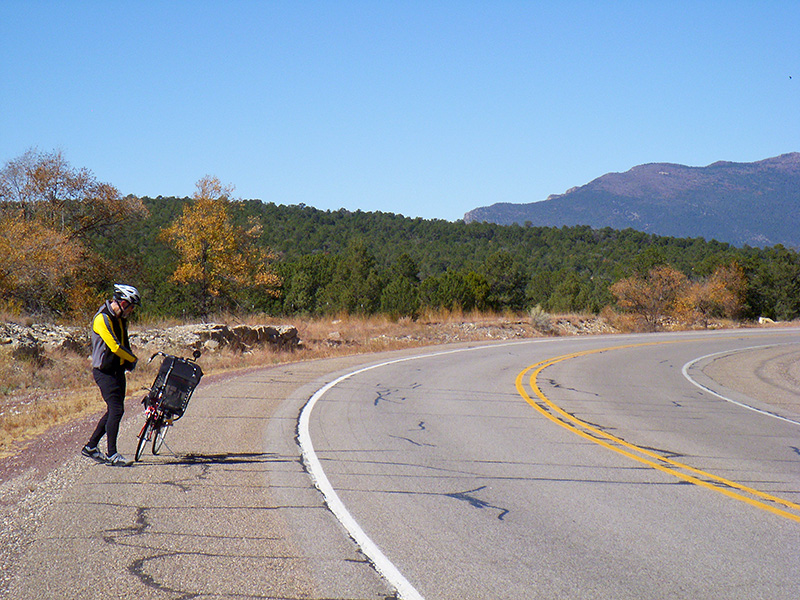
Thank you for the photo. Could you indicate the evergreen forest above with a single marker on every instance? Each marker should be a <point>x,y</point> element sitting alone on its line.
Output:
<point>335,262</point>
<point>65,238</point>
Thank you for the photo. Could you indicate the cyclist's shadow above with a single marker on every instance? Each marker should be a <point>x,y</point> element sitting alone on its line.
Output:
<point>226,458</point>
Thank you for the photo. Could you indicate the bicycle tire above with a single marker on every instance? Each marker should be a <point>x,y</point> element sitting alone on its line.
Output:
<point>144,436</point>
<point>158,438</point>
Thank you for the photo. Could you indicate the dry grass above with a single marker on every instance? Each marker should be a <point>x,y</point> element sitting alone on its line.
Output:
<point>35,397</point>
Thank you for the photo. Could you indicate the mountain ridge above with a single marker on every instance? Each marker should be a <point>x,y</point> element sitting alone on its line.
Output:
<point>755,204</point>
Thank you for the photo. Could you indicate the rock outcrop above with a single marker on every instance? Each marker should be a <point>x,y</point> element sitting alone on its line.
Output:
<point>216,336</point>
<point>32,342</point>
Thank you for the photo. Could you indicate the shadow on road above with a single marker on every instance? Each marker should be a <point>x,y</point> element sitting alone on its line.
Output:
<point>227,458</point>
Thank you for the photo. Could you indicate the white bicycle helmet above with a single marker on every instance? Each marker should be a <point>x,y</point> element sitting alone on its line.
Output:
<point>128,293</point>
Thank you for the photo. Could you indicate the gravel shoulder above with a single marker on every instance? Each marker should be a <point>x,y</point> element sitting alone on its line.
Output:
<point>770,375</point>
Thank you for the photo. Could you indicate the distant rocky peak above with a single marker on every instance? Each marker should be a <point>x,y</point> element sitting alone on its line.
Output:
<point>755,203</point>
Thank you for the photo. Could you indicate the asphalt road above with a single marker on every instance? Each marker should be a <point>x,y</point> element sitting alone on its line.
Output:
<point>620,478</point>
<point>460,470</point>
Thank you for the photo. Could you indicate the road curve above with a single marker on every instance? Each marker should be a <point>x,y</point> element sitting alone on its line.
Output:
<point>578,468</point>
<point>449,465</point>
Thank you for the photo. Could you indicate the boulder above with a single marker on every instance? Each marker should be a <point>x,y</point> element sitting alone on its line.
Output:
<point>28,349</point>
<point>282,336</point>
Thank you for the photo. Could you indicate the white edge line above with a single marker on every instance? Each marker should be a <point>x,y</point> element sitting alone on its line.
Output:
<point>382,564</point>
<point>691,363</point>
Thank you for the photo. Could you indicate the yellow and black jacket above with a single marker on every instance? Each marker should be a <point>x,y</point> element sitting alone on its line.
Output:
<point>110,347</point>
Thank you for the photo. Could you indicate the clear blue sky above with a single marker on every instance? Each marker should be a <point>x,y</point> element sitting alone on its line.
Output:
<point>428,108</point>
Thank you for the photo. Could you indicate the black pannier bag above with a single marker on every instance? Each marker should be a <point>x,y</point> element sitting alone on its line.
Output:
<point>176,380</point>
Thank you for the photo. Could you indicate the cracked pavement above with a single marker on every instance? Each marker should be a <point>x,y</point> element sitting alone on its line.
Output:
<point>225,511</point>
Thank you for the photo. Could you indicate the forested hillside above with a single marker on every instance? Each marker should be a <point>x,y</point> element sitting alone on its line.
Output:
<point>65,238</point>
<point>357,262</point>
<point>754,204</point>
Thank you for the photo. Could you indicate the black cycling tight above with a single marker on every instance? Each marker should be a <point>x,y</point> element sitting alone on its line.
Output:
<point>112,387</point>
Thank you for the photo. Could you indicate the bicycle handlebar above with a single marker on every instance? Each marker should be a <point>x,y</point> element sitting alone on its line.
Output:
<point>195,355</point>
<point>154,355</point>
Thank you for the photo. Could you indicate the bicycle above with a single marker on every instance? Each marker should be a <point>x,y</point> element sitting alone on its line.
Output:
<point>166,401</point>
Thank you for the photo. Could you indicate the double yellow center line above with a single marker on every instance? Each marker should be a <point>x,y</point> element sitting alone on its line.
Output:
<point>556,414</point>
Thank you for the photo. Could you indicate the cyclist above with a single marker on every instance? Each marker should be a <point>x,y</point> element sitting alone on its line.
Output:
<point>112,357</point>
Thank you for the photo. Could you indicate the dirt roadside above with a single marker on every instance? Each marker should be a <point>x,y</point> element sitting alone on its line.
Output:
<point>770,375</point>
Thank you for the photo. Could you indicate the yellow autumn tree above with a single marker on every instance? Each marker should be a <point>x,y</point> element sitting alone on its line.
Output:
<point>216,256</point>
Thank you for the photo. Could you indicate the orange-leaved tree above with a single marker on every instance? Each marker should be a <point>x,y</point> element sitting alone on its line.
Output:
<point>658,294</point>
<point>215,256</point>
<point>721,294</point>
<point>45,188</point>
<point>41,269</point>
<point>665,292</point>
<point>48,209</point>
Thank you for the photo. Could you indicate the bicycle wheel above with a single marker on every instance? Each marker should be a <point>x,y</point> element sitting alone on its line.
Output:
<point>158,438</point>
<point>144,436</point>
